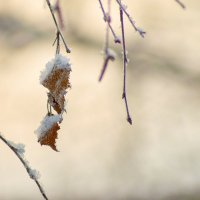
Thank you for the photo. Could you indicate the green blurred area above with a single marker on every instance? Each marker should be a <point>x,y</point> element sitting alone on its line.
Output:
<point>101,156</point>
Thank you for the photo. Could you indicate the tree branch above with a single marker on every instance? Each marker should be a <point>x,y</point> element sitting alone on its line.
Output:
<point>125,61</point>
<point>108,53</point>
<point>59,33</point>
<point>180,3</point>
<point>116,39</point>
<point>137,29</point>
<point>19,150</point>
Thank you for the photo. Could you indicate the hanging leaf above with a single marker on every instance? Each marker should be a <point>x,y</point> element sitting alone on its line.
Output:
<point>55,77</point>
<point>47,132</point>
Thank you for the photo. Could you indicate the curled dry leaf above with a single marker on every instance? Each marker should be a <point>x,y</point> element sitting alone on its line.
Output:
<point>50,137</point>
<point>47,132</point>
<point>56,79</point>
<point>57,83</point>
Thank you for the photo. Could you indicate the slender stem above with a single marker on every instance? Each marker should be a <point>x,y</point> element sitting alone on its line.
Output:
<point>59,12</point>
<point>28,169</point>
<point>107,28</point>
<point>59,33</point>
<point>125,61</point>
<point>107,56</point>
<point>105,64</point>
<point>116,39</point>
<point>137,29</point>
<point>180,3</point>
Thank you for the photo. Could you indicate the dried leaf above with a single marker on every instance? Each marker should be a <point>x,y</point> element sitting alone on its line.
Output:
<point>53,103</point>
<point>55,77</point>
<point>50,137</point>
<point>57,83</point>
<point>47,131</point>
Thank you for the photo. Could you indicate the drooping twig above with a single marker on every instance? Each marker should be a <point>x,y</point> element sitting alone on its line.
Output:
<point>59,33</point>
<point>116,39</point>
<point>125,61</point>
<point>137,29</point>
<point>180,3</point>
<point>19,153</point>
<point>108,53</point>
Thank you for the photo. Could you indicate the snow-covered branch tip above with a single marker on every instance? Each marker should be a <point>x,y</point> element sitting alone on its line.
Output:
<point>19,150</point>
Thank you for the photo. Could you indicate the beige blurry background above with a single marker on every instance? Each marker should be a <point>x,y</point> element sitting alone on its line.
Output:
<point>101,157</point>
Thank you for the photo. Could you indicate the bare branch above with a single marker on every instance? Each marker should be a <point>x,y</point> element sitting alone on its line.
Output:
<point>108,53</point>
<point>19,153</point>
<point>57,8</point>
<point>59,33</point>
<point>180,3</point>
<point>125,61</point>
<point>137,29</point>
<point>116,39</point>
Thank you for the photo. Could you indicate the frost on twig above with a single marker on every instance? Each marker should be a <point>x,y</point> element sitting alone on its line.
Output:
<point>19,150</point>
<point>124,9</point>
<point>110,54</point>
<point>107,19</point>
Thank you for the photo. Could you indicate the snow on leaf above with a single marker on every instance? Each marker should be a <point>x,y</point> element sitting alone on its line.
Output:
<point>47,132</point>
<point>56,79</point>
<point>59,61</point>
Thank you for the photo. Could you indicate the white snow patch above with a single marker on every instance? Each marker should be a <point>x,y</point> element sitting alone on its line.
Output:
<point>34,174</point>
<point>111,53</point>
<point>46,125</point>
<point>59,62</point>
<point>19,147</point>
<point>20,150</point>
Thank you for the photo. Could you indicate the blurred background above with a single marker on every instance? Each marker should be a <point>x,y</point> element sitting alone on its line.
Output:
<point>101,156</point>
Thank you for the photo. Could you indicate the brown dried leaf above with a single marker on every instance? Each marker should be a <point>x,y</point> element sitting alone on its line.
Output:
<point>57,83</point>
<point>50,137</point>
<point>53,103</point>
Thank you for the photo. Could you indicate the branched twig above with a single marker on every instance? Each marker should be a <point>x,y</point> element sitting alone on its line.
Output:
<point>137,29</point>
<point>116,39</point>
<point>180,3</point>
<point>125,61</point>
<point>59,33</point>
<point>19,153</point>
<point>108,53</point>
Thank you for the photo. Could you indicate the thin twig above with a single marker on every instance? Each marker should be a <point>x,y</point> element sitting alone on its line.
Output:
<point>59,33</point>
<point>125,61</point>
<point>116,39</point>
<point>108,55</point>
<point>27,167</point>
<point>180,3</point>
<point>57,8</point>
<point>137,29</point>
